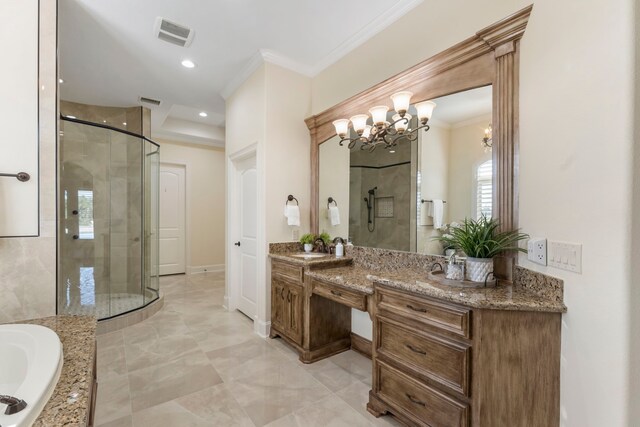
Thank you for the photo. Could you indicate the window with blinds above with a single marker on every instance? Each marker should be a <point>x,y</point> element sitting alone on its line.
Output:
<point>484,190</point>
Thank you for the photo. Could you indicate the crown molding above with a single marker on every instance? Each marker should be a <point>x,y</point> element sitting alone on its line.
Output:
<point>254,63</point>
<point>374,27</point>
<point>272,57</point>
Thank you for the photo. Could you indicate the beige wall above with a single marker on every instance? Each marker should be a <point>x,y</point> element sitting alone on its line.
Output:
<point>575,65</point>
<point>28,265</point>
<point>205,182</point>
<point>467,153</point>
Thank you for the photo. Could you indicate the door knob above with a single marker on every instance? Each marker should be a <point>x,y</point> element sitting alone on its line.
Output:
<point>75,212</point>
<point>76,237</point>
<point>237,243</point>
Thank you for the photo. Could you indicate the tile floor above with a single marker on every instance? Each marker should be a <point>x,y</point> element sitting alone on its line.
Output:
<point>195,364</point>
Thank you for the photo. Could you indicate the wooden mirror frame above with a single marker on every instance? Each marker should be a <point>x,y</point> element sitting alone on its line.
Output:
<point>490,57</point>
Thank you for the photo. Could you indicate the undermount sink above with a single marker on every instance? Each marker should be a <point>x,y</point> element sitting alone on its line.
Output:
<point>439,277</point>
<point>30,366</point>
<point>309,255</point>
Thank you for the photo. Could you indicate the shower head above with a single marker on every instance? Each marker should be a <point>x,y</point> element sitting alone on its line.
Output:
<point>373,191</point>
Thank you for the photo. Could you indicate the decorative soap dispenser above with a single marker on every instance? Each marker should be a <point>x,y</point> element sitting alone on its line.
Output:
<point>339,247</point>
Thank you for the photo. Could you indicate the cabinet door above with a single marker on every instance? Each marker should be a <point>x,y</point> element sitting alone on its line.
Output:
<point>294,313</point>
<point>278,303</point>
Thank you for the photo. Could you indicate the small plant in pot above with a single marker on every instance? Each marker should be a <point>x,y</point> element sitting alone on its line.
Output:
<point>307,240</point>
<point>481,240</point>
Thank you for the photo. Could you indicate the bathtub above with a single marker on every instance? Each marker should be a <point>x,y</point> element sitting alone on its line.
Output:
<point>30,365</point>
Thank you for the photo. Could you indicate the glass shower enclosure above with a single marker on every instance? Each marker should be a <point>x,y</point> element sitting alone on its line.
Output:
<point>108,188</point>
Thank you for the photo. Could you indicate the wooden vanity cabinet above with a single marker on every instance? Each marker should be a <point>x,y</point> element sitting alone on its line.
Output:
<point>286,308</point>
<point>442,364</point>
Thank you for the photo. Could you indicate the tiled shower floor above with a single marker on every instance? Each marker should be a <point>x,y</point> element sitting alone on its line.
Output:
<point>195,364</point>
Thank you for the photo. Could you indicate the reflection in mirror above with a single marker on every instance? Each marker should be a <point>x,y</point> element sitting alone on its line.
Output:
<point>401,197</point>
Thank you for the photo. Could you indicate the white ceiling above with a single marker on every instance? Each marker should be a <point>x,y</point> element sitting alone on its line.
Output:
<point>110,56</point>
<point>463,107</point>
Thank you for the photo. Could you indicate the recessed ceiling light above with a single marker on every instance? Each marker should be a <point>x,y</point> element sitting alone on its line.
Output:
<point>60,81</point>
<point>124,123</point>
<point>392,151</point>
<point>71,117</point>
<point>104,121</point>
<point>203,114</point>
<point>187,63</point>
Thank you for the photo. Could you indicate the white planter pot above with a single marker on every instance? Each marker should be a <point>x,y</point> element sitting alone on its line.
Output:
<point>478,268</point>
<point>308,247</point>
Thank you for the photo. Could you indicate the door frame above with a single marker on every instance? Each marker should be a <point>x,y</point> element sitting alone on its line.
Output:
<point>187,212</point>
<point>261,320</point>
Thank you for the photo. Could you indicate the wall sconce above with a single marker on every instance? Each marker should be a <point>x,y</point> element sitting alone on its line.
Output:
<point>487,141</point>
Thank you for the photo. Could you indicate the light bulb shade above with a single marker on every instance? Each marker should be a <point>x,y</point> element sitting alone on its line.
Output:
<point>379,114</point>
<point>342,127</point>
<point>425,110</point>
<point>367,132</point>
<point>403,124</point>
<point>359,122</point>
<point>401,101</point>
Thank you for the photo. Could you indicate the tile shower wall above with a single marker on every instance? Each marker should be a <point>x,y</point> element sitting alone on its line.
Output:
<point>28,265</point>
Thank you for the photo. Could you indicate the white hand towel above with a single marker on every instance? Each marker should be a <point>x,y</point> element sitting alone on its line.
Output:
<point>438,213</point>
<point>292,213</point>
<point>426,214</point>
<point>334,215</point>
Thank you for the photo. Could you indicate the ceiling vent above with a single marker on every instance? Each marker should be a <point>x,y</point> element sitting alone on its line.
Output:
<point>172,32</point>
<point>151,101</point>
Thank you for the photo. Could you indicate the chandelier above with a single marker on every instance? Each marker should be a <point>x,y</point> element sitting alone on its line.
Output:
<point>487,141</point>
<point>380,131</point>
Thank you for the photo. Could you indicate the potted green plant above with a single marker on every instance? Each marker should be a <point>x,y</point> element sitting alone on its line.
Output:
<point>481,240</point>
<point>307,240</point>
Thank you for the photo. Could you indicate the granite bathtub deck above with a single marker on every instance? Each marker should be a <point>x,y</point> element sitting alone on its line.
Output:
<point>497,298</point>
<point>70,401</point>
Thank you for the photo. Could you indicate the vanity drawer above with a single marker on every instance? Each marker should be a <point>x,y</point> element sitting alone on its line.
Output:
<point>443,361</point>
<point>288,271</point>
<point>341,295</point>
<point>421,403</point>
<point>452,318</point>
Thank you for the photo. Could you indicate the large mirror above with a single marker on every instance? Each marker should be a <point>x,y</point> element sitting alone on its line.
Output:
<point>401,197</point>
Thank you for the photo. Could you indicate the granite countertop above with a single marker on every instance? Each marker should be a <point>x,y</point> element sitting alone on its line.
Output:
<point>506,297</point>
<point>69,403</point>
<point>352,277</point>
<point>319,262</point>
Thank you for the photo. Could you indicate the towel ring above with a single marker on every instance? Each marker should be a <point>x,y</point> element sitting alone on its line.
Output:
<point>430,201</point>
<point>290,198</point>
<point>331,200</point>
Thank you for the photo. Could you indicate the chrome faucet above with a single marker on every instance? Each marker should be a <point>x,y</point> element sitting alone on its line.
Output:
<point>14,405</point>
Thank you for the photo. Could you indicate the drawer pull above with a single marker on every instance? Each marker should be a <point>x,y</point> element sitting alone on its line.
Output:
<point>415,350</point>
<point>336,293</point>
<point>288,296</point>
<point>421,310</point>
<point>414,400</point>
<point>282,293</point>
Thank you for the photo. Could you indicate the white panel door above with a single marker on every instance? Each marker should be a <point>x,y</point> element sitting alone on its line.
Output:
<point>172,219</point>
<point>19,117</point>
<point>247,239</point>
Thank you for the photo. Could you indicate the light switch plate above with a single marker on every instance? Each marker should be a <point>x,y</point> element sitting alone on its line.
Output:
<point>566,256</point>
<point>537,251</point>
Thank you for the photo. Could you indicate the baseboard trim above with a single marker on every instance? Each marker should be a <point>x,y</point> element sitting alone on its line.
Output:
<point>361,345</point>
<point>201,269</point>
<point>262,329</point>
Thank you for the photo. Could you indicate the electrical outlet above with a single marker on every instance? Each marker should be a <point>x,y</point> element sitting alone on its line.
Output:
<point>537,251</point>
<point>295,234</point>
<point>566,256</point>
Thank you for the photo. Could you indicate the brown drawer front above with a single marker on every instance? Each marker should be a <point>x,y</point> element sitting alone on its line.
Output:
<point>341,295</point>
<point>449,317</point>
<point>443,361</point>
<point>425,405</point>
<point>288,271</point>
